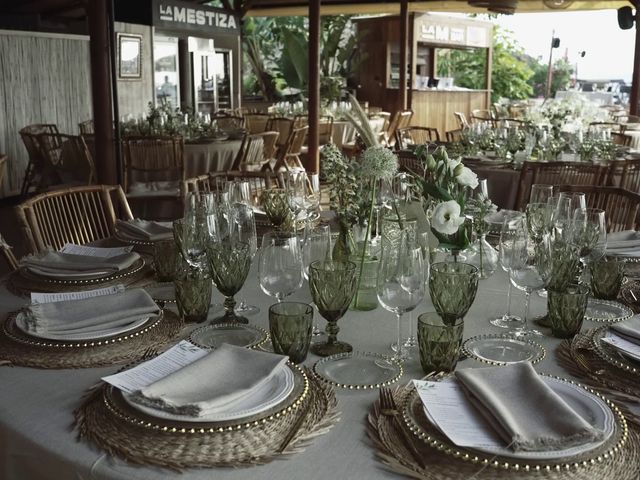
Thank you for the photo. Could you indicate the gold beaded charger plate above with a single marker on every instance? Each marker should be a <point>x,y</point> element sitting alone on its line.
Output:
<point>502,349</point>
<point>618,457</point>
<point>24,282</point>
<point>239,334</point>
<point>630,295</point>
<point>606,311</point>
<point>612,355</point>
<point>358,370</point>
<point>20,348</point>
<point>162,292</point>
<point>106,419</point>
<point>123,237</point>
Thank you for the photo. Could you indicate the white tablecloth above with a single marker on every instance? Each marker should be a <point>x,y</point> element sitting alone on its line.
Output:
<point>209,157</point>
<point>36,440</point>
<point>601,98</point>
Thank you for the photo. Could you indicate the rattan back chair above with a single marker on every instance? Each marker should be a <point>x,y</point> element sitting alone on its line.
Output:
<point>625,174</point>
<point>401,119</point>
<point>325,130</point>
<point>256,122</point>
<point>270,149</point>
<point>283,126</point>
<point>73,215</point>
<point>251,155</point>
<point>228,122</point>
<point>479,116</point>
<point>621,139</point>
<point>454,135</point>
<point>290,158</point>
<point>86,127</point>
<point>621,206</point>
<point>69,157</point>
<point>34,172</point>
<point>414,135</point>
<point>557,173</point>
<point>7,253</point>
<point>409,162</point>
<point>151,159</point>
<point>462,120</point>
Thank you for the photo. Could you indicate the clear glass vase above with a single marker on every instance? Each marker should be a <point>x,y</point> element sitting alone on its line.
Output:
<point>366,297</point>
<point>482,255</point>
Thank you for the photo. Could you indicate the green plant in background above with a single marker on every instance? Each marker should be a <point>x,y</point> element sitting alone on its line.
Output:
<point>561,80</point>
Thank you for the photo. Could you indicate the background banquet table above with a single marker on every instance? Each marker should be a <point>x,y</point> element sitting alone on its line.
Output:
<point>502,183</point>
<point>201,158</point>
<point>37,441</point>
<point>344,132</point>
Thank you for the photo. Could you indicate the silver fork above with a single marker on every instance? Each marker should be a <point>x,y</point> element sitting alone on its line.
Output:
<point>388,408</point>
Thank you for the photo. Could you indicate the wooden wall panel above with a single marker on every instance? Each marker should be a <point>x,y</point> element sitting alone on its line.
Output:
<point>434,108</point>
<point>44,78</point>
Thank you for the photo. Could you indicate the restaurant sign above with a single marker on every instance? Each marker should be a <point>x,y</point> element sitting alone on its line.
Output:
<point>435,29</point>
<point>176,15</point>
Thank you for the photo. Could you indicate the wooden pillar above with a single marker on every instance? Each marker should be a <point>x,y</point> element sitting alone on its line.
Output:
<point>313,159</point>
<point>489,74</point>
<point>634,98</point>
<point>404,29</point>
<point>105,160</point>
<point>184,69</point>
<point>412,58</point>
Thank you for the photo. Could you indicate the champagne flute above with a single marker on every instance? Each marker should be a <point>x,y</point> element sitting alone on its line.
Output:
<point>507,232</point>
<point>382,201</point>
<point>281,266</point>
<point>400,284</point>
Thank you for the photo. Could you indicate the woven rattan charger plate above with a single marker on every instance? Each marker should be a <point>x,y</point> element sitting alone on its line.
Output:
<point>108,421</point>
<point>22,282</point>
<point>19,348</point>
<point>619,458</point>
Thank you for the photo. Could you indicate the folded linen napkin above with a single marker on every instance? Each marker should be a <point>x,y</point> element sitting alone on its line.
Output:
<point>629,329</point>
<point>145,229</point>
<point>526,412</point>
<point>95,314</point>
<point>626,240</point>
<point>57,264</point>
<point>213,382</point>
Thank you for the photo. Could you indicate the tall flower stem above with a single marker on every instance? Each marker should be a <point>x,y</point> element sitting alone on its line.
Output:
<point>363,256</point>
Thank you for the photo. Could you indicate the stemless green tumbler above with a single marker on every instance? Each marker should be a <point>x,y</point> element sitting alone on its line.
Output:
<point>453,288</point>
<point>606,278</point>
<point>290,325</point>
<point>566,310</point>
<point>439,343</point>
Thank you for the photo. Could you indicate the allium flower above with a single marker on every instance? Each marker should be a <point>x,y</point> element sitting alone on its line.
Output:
<point>446,218</point>
<point>378,162</point>
<point>466,177</point>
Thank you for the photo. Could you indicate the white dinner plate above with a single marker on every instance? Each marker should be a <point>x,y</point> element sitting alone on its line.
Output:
<point>68,275</point>
<point>591,408</point>
<point>266,396</point>
<point>71,337</point>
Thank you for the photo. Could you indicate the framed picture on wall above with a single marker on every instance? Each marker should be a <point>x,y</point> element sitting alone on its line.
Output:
<point>130,55</point>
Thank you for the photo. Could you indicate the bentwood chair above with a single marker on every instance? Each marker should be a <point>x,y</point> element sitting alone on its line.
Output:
<point>454,135</point>
<point>621,206</point>
<point>401,119</point>
<point>86,127</point>
<point>462,120</point>
<point>228,122</point>
<point>289,157</point>
<point>256,122</point>
<point>68,157</point>
<point>625,174</point>
<point>74,215</point>
<point>258,182</point>
<point>35,174</point>
<point>8,254</point>
<point>283,126</point>
<point>409,162</point>
<point>411,136</point>
<point>478,116</point>
<point>557,173</point>
<point>270,149</point>
<point>251,154</point>
<point>621,139</point>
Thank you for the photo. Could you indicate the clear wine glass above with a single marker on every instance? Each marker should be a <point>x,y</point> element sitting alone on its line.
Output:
<point>199,227</point>
<point>281,266</point>
<point>400,284</point>
<point>540,193</point>
<point>244,231</point>
<point>507,233</point>
<point>589,233</point>
<point>524,272</point>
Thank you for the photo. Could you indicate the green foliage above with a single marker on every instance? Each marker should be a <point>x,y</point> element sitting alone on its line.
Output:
<point>562,73</point>
<point>510,72</point>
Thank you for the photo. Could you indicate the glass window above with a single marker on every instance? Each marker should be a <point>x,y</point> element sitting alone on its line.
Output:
<point>166,77</point>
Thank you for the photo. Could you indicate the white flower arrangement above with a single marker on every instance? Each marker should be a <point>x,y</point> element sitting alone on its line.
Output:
<point>571,113</point>
<point>378,162</point>
<point>446,217</point>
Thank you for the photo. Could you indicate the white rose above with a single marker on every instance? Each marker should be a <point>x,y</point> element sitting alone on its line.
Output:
<point>467,178</point>
<point>446,218</point>
<point>452,164</point>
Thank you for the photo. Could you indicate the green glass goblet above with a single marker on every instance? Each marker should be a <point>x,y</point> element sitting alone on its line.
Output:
<point>439,343</point>
<point>332,285</point>
<point>453,288</point>
<point>276,206</point>
<point>606,278</point>
<point>229,264</point>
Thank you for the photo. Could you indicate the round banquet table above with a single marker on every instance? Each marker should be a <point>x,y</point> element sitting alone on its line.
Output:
<point>202,158</point>
<point>37,440</point>
<point>344,132</point>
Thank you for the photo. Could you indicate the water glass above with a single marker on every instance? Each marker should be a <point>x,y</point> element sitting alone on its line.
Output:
<point>290,326</point>
<point>193,293</point>
<point>453,288</point>
<point>439,343</point>
<point>281,266</point>
<point>606,278</point>
<point>566,310</point>
<point>165,259</point>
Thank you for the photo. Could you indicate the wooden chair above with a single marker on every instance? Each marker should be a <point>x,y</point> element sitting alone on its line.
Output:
<point>153,166</point>
<point>283,126</point>
<point>624,174</point>
<point>34,174</point>
<point>270,149</point>
<point>401,119</point>
<point>621,139</point>
<point>8,254</point>
<point>462,120</point>
<point>556,173</point>
<point>409,162</point>
<point>621,206</point>
<point>258,181</point>
<point>289,158</point>
<point>74,215</point>
<point>251,155</point>
<point>228,122</point>
<point>86,127</point>
<point>325,130</point>
<point>69,157</point>
<point>256,122</point>
<point>479,116</point>
<point>415,136</point>
<point>599,126</point>
<point>454,135</point>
